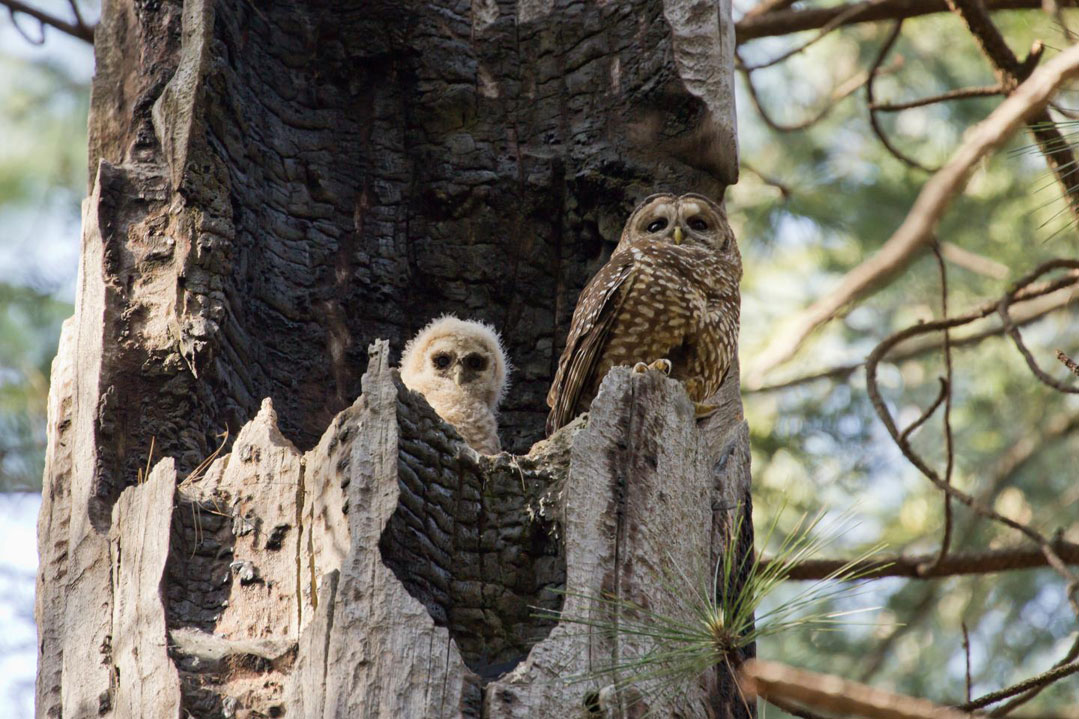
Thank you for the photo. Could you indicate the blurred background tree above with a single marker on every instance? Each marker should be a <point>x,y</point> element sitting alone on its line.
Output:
<point>44,95</point>
<point>812,203</point>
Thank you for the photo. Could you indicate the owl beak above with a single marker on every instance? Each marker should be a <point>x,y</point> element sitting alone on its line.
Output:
<point>677,234</point>
<point>459,374</point>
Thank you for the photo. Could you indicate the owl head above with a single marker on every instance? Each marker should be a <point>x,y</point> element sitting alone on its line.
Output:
<point>689,220</point>
<point>450,355</point>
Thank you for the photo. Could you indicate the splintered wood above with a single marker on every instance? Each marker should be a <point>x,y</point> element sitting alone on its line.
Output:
<point>392,571</point>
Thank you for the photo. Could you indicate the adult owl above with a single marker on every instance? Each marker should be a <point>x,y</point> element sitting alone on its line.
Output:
<point>667,298</point>
<point>460,367</point>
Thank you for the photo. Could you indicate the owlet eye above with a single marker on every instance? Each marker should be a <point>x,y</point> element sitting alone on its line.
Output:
<point>476,363</point>
<point>697,224</point>
<point>657,224</point>
<point>441,360</point>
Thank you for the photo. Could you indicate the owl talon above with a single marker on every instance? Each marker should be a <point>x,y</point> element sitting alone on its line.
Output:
<point>661,365</point>
<point>703,411</point>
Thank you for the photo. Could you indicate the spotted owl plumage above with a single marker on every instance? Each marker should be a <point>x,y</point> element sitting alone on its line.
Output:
<point>669,291</point>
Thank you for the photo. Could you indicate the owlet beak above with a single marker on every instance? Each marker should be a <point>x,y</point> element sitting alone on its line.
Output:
<point>677,234</point>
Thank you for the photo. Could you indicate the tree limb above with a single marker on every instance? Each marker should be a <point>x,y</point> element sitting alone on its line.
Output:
<point>1035,682</point>
<point>919,566</point>
<point>962,93</point>
<point>77,29</point>
<point>1025,287</point>
<point>785,22</point>
<point>827,692</point>
<point>1010,72</point>
<point>1068,362</point>
<point>916,347</point>
<point>874,123</point>
<point>917,229</point>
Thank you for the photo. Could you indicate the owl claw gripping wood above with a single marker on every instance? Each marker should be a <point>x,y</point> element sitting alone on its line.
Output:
<point>660,365</point>
<point>667,299</point>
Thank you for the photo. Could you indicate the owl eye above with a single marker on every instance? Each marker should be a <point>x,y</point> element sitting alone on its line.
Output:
<point>697,224</point>
<point>476,363</point>
<point>657,225</point>
<point>441,360</point>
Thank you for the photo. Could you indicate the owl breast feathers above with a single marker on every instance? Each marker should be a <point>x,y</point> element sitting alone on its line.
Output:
<point>460,367</point>
<point>669,291</point>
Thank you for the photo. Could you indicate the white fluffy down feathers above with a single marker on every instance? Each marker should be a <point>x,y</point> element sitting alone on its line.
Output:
<point>460,367</point>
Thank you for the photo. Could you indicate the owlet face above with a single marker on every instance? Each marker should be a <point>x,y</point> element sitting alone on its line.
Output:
<point>453,357</point>
<point>465,363</point>
<point>689,220</point>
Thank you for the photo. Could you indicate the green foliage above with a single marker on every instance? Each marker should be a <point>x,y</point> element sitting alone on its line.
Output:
<point>42,180</point>
<point>29,330</point>
<point>821,443</point>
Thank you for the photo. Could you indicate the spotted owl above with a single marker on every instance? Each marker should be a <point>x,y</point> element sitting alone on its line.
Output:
<point>460,367</point>
<point>668,298</point>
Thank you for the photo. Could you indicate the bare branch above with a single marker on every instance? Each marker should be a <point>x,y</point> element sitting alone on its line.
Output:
<point>1025,287</point>
<point>962,93</point>
<point>786,22</point>
<point>841,92</point>
<point>918,227</point>
<point>874,123</point>
<point>827,692</point>
<point>1068,362</point>
<point>825,29</point>
<point>79,29</point>
<point>973,262</point>
<point>1017,338</point>
<point>1032,311</point>
<point>1010,72</point>
<point>966,656</point>
<point>928,412</point>
<point>1032,692</point>
<point>1036,682</point>
<point>920,566</point>
<point>949,442</point>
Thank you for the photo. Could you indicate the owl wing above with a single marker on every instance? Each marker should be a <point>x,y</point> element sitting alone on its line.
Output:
<point>593,318</point>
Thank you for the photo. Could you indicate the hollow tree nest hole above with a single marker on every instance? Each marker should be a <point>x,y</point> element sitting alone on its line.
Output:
<point>475,539</point>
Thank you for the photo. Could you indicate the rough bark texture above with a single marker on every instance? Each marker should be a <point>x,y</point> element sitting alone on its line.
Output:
<point>273,186</point>
<point>226,605</point>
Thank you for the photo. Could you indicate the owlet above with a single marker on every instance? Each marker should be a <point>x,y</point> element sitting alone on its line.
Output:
<point>460,368</point>
<point>668,297</point>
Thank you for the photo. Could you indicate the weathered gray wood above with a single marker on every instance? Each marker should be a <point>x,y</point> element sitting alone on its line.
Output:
<point>649,489</point>
<point>642,485</point>
<point>256,489</point>
<point>73,606</point>
<point>247,636</point>
<point>385,656</point>
<point>145,681</point>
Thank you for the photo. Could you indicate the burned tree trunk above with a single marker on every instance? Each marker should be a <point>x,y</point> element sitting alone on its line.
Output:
<point>275,186</point>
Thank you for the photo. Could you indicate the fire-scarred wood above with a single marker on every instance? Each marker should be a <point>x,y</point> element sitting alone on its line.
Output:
<point>275,184</point>
<point>423,601</point>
